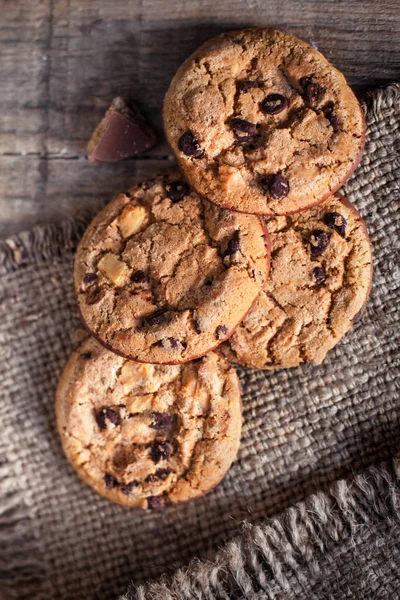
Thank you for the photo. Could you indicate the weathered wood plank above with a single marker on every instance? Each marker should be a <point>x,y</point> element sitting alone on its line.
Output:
<point>62,61</point>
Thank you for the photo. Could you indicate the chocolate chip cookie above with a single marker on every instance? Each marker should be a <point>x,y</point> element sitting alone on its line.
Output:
<point>163,276</point>
<point>321,272</point>
<point>148,435</point>
<point>262,123</point>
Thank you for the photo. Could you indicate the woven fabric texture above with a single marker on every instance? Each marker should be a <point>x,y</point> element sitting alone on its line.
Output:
<point>303,429</point>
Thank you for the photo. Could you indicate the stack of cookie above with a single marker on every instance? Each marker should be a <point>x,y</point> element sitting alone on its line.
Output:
<point>184,273</point>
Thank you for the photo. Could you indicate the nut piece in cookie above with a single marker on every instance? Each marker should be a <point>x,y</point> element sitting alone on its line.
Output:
<point>148,436</point>
<point>320,280</point>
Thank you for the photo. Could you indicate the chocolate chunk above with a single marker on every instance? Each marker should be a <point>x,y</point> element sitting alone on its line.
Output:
<point>276,185</point>
<point>159,475</point>
<point>89,278</point>
<point>156,318</point>
<point>208,282</point>
<point>329,112</point>
<point>161,421</point>
<point>319,276</point>
<point>336,221</point>
<point>95,296</point>
<point>110,481</point>
<point>122,133</point>
<point>273,104</point>
<point>221,332</point>
<point>85,355</point>
<point>161,451</point>
<point>243,130</point>
<point>155,502</point>
<point>147,184</point>
<point>312,90</point>
<point>197,326</point>
<point>233,245</point>
<point>107,414</point>
<point>359,315</point>
<point>177,190</point>
<point>247,85</point>
<point>170,343</point>
<point>189,145</point>
<point>127,489</point>
<point>319,241</point>
<point>139,277</point>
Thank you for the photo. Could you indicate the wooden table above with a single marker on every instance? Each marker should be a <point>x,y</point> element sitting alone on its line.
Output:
<point>62,61</point>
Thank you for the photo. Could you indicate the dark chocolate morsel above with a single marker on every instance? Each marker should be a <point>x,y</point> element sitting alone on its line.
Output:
<point>170,343</point>
<point>177,190</point>
<point>95,296</point>
<point>161,421</point>
<point>208,282</point>
<point>329,112</point>
<point>85,355</point>
<point>127,489</point>
<point>139,277</point>
<point>312,90</point>
<point>319,276</point>
<point>147,184</point>
<point>155,502</point>
<point>107,414</point>
<point>336,221</point>
<point>221,332</point>
<point>110,481</point>
<point>156,318</point>
<point>277,185</point>
<point>161,451</point>
<point>248,85</point>
<point>273,104</point>
<point>319,241</point>
<point>159,475</point>
<point>89,278</point>
<point>189,145</point>
<point>243,130</point>
<point>233,244</point>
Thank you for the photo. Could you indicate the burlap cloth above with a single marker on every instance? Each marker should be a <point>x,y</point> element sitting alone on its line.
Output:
<point>303,429</point>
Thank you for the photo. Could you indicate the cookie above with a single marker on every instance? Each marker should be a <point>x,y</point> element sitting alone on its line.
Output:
<point>163,277</point>
<point>148,435</point>
<point>321,273</point>
<point>262,123</point>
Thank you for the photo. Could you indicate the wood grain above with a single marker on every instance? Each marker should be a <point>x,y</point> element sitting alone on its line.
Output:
<point>62,61</point>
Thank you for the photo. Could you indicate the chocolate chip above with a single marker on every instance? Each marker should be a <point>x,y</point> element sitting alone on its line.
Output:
<point>197,326</point>
<point>161,421</point>
<point>189,145</point>
<point>221,332</point>
<point>208,282</point>
<point>159,475</point>
<point>89,278</point>
<point>276,185</point>
<point>248,85</point>
<point>359,315</point>
<point>127,489</point>
<point>95,297</point>
<point>170,343</point>
<point>336,221</point>
<point>107,414</point>
<point>161,451</point>
<point>243,130</point>
<point>319,276</point>
<point>110,481</point>
<point>147,184</point>
<point>269,364</point>
<point>139,277</point>
<point>312,90</point>
<point>233,244</point>
<point>329,112</point>
<point>273,104</point>
<point>177,190</point>
<point>156,318</point>
<point>319,241</point>
<point>85,355</point>
<point>155,502</point>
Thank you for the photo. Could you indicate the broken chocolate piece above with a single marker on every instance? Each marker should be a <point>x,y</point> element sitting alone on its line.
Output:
<point>337,222</point>
<point>277,185</point>
<point>170,343</point>
<point>156,318</point>
<point>161,421</point>
<point>319,241</point>
<point>159,475</point>
<point>243,130</point>
<point>233,245</point>
<point>177,190</point>
<point>319,276</point>
<point>155,502</point>
<point>127,489</point>
<point>86,355</point>
<point>161,451</point>
<point>190,146</point>
<point>122,133</point>
<point>89,278</point>
<point>139,277</point>
<point>247,85</point>
<point>107,414</point>
<point>329,112</point>
<point>221,332</point>
<point>273,104</point>
<point>110,481</point>
<point>312,90</point>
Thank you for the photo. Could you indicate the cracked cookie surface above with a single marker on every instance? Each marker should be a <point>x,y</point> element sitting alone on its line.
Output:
<point>147,435</point>
<point>321,273</point>
<point>262,123</point>
<point>163,277</point>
